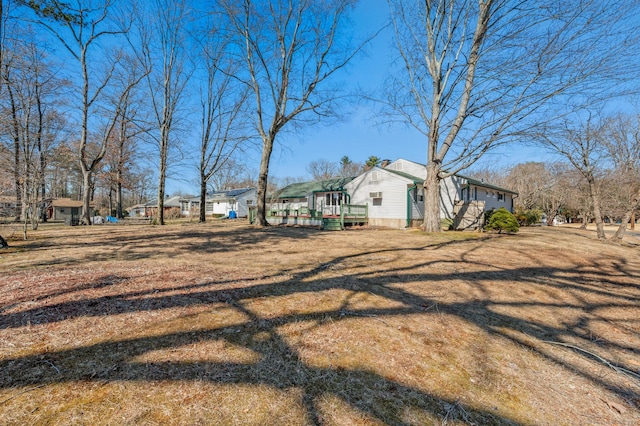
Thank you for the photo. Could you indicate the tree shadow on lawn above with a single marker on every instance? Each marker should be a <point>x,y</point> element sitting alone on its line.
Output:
<point>280,365</point>
<point>159,242</point>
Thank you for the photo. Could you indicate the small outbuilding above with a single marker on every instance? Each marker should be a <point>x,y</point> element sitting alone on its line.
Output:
<point>66,210</point>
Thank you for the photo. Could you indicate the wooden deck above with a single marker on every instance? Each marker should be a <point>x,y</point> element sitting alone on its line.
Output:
<point>350,214</point>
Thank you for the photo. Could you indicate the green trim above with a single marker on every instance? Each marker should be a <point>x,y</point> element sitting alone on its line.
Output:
<point>416,180</point>
<point>481,184</point>
<point>303,189</point>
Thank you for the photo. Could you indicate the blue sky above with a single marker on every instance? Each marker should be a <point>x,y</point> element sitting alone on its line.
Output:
<point>359,135</point>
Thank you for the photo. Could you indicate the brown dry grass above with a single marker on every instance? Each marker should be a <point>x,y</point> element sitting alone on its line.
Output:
<point>228,324</point>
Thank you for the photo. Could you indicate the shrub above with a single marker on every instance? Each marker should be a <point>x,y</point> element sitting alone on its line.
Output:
<point>528,217</point>
<point>502,220</point>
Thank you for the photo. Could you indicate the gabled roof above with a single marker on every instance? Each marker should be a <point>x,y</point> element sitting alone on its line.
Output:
<point>476,182</point>
<point>468,179</point>
<point>168,202</point>
<point>302,189</point>
<point>66,202</point>
<point>415,179</point>
<point>228,194</point>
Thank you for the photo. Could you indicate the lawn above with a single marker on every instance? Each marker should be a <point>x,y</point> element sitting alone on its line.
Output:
<point>224,323</point>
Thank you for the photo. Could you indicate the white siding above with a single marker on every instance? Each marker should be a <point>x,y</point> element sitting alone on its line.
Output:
<point>492,201</point>
<point>450,192</point>
<point>393,203</point>
<point>409,167</point>
<point>245,200</point>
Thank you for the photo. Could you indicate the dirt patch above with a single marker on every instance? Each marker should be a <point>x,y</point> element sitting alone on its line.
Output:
<point>228,324</point>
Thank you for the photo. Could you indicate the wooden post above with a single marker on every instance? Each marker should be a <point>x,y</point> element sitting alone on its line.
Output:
<point>633,220</point>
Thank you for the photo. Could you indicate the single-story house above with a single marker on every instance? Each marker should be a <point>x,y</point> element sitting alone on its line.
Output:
<point>395,197</point>
<point>171,208</point>
<point>223,203</point>
<point>8,206</point>
<point>67,210</point>
<point>139,210</point>
<point>393,194</point>
<point>324,196</point>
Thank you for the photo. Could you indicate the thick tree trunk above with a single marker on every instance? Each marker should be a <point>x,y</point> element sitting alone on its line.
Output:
<point>432,200</point>
<point>595,198</point>
<point>203,200</point>
<point>119,210</point>
<point>161,181</point>
<point>629,216</point>
<point>86,197</point>
<point>262,181</point>
<point>617,237</point>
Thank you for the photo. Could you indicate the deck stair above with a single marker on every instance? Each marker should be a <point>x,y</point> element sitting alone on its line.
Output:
<point>332,224</point>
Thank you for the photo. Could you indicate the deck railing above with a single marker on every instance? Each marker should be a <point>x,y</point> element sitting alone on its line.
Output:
<point>349,214</point>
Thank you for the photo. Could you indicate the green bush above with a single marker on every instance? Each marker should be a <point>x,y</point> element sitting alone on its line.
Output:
<point>502,220</point>
<point>528,217</point>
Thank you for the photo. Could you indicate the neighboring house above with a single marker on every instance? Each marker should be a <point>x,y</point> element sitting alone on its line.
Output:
<point>171,207</point>
<point>324,196</point>
<point>233,200</point>
<point>8,206</point>
<point>139,210</point>
<point>221,203</point>
<point>67,210</point>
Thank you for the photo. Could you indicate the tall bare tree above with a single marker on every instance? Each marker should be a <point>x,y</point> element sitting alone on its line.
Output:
<point>32,121</point>
<point>223,106</point>
<point>475,74</point>
<point>161,41</point>
<point>80,29</point>
<point>290,52</point>
<point>621,139</point>
<point>322,169</point>
<point>581,144</point>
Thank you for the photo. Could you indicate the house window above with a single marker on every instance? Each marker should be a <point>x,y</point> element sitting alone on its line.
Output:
<point>209,207</point>
<point>377,201</point>
<point>500,197</point>
<point>333,199</point>
<point>249,202</point>
<point>374,177</point>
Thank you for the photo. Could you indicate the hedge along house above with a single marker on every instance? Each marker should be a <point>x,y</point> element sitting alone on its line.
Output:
<point>395,195</point>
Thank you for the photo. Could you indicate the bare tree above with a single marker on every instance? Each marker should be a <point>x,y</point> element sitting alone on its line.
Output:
<point>126,132</point>
<point>622,143</point>
<point>528,180</point>
<point>581,144</point>
<point>322,169</point>
<point>233,174</point>
<point>348,168</point>
<point>32,121</point>
<point>291,50</point>
<point>223,106</point>
<point>161,41</point>
<point>80,29</point>
<point>475,74</point>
